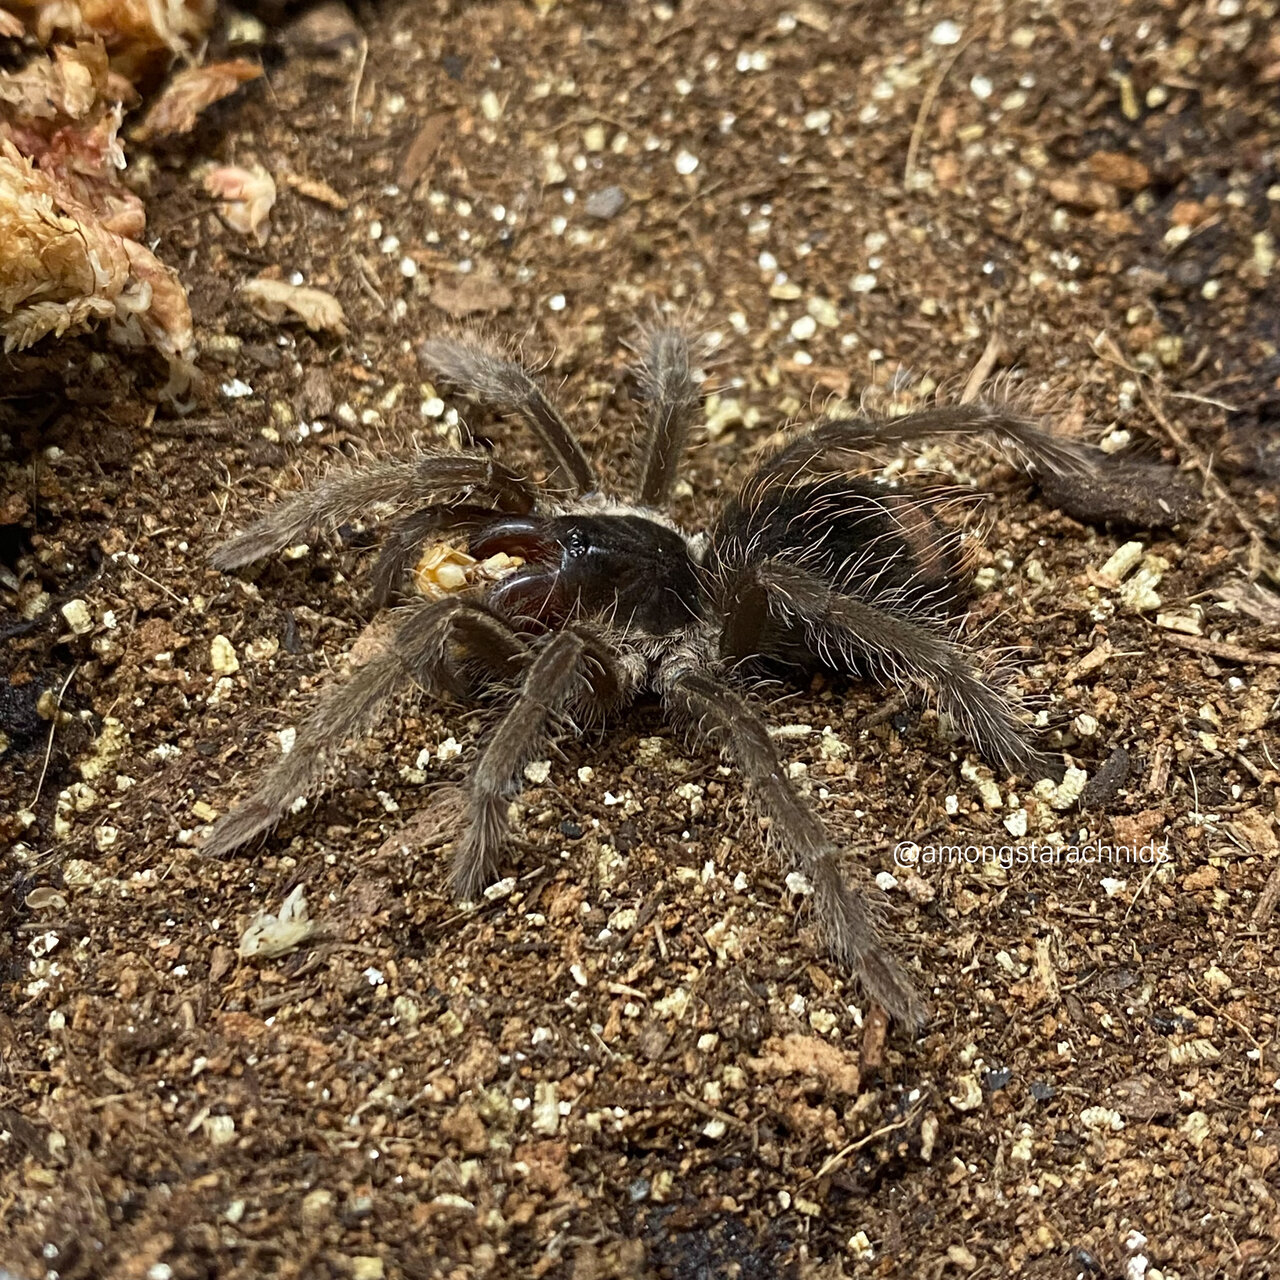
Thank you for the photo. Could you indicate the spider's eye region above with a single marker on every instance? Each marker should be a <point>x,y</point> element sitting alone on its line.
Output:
<point>576,545</point>
<point>628,568</point>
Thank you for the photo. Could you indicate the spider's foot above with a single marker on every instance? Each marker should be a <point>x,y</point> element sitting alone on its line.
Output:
<point>472,872</point>
<point>886,983</point>
<point>247,820</point>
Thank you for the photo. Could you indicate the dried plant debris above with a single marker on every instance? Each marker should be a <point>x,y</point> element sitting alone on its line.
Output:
<point>272,300</point>
<point>189,92</point>
<point>142,36</point>
<point>245,198</point>
<point>62,268</point>
<point>62,112</point>
<point>271,936</point>
<point>72,252</point>
<point>70,234</point>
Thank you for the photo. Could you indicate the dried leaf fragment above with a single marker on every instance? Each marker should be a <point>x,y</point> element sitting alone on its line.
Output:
<point>271,936</point>
<point>189,92</point>
<point>245,198</point>
<point>272,299</point>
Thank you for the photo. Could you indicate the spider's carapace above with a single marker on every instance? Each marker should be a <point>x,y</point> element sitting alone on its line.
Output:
<point>627,569</point>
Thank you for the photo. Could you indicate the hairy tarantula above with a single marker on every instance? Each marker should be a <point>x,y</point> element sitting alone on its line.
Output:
<point>809,567</point>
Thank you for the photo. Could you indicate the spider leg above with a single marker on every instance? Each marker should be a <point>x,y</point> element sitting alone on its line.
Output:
<point>716,714</point>
<point>1076,477</point>
<point>668,384</point>
<point>347,494</point>
<point>855,635</point>
<point>507,386</point>
<point>420,648</point>
<point>571,670</point>
<point>821,448</point>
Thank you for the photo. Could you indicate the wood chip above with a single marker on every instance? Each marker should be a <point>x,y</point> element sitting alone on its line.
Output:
<point>316,190</point>
<point>466,295</point>
<point>422,150</point>
<point>811,1057</point>
<point>1120,170</point>
<point>1227,652</point>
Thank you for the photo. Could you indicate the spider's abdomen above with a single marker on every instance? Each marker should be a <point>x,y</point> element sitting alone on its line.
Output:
<point>624,569</point>
<point>863,539</point>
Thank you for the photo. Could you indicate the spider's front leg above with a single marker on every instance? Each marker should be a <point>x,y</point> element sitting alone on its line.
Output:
<point>857,636</point>
<point>668,384</point>
<point>422,648</point>
<point>572,673</point>
<point>347,495</point>
<point>711,711</point>
<point>494,381</point>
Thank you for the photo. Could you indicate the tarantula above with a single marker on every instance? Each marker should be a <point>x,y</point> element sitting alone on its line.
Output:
<point>809,567</point>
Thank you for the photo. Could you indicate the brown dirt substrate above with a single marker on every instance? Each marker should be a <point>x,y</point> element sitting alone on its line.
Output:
<point>637,1063</point>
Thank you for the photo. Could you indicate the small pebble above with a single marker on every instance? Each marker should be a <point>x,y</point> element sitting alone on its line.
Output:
<point>1139,594</point>
<point>1085,725</point>
<point>503,889</point>
<point>606,203</point>
<point>78,617</point>
<point>823,310</point>
<point>1123,560</point>
<point>222,656</point>
<point>798,884</point>
<point>804,328</point>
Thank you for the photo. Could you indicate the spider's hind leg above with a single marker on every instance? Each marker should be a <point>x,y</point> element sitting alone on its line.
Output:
<point>870,637</point>
<point>1076,477</point>
<point>711,711</point>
